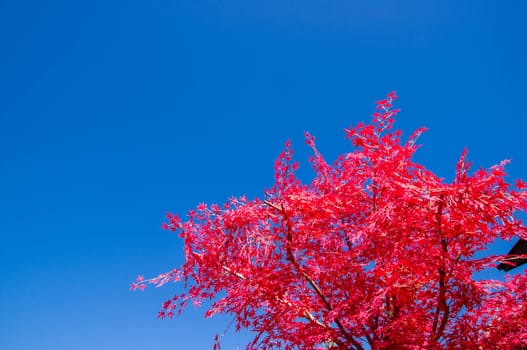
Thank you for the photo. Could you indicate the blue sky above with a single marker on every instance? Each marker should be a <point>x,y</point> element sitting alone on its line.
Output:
<point>115,112</point>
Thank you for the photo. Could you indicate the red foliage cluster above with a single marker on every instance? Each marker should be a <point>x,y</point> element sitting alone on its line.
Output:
<point>376,252</point>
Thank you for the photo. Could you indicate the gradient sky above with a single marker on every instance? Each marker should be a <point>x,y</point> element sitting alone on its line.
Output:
<point>114,112</point>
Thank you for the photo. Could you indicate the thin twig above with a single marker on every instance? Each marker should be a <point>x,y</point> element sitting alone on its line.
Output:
<point>272,205</point>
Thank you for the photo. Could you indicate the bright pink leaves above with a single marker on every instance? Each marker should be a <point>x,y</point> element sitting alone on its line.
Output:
<point>375,252</point>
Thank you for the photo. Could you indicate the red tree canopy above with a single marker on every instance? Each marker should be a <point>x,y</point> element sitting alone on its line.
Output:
<point>377,252</point>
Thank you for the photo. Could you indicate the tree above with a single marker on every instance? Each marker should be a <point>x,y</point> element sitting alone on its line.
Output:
<point>376,252</point>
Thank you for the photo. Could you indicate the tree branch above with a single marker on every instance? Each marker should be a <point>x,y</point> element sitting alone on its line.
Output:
<point>307,314</point>
<point>442,306</point>
<point>291,258</point>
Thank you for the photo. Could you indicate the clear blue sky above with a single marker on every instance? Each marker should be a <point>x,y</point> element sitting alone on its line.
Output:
<point>115,112</point>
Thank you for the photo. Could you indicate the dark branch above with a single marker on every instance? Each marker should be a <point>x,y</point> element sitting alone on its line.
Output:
<point>512,260</point>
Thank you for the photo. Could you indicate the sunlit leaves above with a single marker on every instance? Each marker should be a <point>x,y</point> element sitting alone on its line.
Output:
<point>376,250</point>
